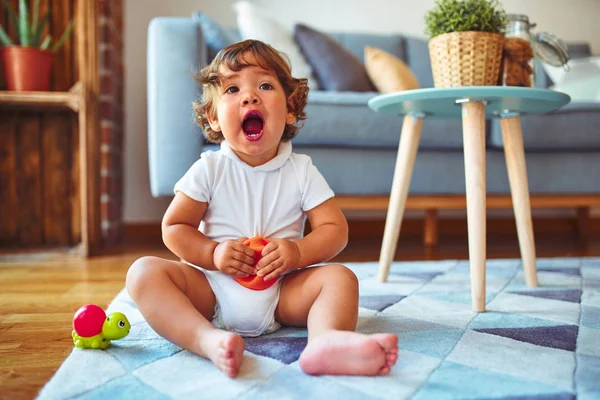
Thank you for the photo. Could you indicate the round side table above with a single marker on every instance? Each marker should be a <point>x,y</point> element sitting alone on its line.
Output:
<point>473,104</point>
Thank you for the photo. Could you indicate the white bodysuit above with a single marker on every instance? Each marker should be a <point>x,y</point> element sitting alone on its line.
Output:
<point>244,201</point>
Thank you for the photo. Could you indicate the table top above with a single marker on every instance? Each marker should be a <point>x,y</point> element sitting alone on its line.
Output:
<point>442,103</point>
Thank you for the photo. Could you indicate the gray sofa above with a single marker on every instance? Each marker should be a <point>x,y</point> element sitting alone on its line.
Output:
<point>354,147</point>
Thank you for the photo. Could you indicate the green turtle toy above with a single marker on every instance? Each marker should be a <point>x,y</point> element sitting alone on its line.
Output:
<point>92,329</point>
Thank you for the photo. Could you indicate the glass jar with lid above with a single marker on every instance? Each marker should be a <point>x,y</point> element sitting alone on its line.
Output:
<point>522,48</point>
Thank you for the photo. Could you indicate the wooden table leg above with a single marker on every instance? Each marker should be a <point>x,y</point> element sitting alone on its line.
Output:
<point>473,119</point>
<point>512,136</point>
<point>430,229</point>
<point>405,161</point>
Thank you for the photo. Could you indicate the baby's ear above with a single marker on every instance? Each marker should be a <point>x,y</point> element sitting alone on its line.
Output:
<point>213,122</point>
<point>291,114</point>
<point>291,117</point>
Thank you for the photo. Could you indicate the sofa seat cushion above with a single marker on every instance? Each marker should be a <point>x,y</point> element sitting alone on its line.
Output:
<point>443,172</point>
<point>345,120</point>
<point>573,127</point>
<point>435,172</point>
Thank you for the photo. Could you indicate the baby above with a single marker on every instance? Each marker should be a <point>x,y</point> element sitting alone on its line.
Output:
<point>255,186</point>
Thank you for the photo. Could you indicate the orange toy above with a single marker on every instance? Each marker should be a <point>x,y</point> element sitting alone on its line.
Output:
<point>256,282</point>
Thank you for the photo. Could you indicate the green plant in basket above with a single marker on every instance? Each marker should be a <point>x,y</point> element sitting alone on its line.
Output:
<point>466,41</point>
<point>29,32</point>
<point>465,15</point>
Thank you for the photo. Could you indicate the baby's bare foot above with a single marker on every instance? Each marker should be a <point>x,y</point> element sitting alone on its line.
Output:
<point>350,353</point>
<point>224,349</point>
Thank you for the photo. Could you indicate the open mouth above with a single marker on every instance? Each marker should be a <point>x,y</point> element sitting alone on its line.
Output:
<point>253,125</point>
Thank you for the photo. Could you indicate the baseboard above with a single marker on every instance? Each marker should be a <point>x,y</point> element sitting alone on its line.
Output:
<point>151,232</point>
<point>458,226</point>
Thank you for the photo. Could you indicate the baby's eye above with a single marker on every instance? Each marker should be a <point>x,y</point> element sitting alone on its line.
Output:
<point>232,89</point>
<point>265,86</point>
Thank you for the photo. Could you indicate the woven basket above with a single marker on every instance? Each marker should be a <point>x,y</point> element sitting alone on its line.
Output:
<point>466,58</point>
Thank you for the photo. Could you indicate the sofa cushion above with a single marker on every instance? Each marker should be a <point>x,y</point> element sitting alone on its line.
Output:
<point>336,68</point>
<point>215,35</point>
<point>371,171</point>
<point>419,61</point>
<point>387,72</point>
<point>581,90</point>
<point>414,51</point>
<point>355,43</point>
<point>573,127</point>
<point>582,81</point>
<point>254,23</point>
<point>543,72</point>
<point>345,120</point>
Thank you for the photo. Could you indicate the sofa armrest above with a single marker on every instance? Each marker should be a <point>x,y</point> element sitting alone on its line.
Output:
<point>176,51</point>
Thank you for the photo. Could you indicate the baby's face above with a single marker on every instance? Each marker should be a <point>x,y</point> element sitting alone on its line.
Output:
<point>252,112</point>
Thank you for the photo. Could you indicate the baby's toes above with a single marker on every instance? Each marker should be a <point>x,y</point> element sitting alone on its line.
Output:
<point>223,354</point>
<point>384,370</point>
<point>229,362</point>
<point>390,360</point>
<point>229,371</point>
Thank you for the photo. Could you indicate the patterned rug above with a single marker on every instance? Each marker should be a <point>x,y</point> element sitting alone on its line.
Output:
<point>541,343</point>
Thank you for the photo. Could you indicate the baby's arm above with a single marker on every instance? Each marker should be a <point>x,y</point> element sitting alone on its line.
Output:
<point>181,235</point>
<point>328,236</point>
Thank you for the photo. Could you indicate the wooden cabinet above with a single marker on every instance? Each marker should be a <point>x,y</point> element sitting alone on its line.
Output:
<point>49,146</point>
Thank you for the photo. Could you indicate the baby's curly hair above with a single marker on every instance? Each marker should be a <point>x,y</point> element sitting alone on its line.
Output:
<point>296,90</point>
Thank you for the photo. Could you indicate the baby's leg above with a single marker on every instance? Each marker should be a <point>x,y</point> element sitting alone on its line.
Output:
<point>326,300</point>
<point>178,304</point>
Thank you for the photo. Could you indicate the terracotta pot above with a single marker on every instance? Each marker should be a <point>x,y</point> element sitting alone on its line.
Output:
<point>26,68</point>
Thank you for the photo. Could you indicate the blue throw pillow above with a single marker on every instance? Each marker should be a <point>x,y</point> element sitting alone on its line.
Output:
<point>215,35</point>
<point>335,67</point>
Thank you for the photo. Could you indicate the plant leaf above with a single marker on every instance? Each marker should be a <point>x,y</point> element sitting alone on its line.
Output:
<point>23,23</point>
<point>46,42</point>
<point>34,21</point>
<point>12,15</point>
<point>465,15</point>
<point>37,33</point>
<point>4,37</point>
<point>63,37</point>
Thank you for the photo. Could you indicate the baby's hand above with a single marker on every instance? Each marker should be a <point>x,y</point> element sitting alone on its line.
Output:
<point>279,256</point>
<point>233,257</point>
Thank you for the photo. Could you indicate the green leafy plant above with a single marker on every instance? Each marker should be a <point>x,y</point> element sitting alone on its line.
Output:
<point>465,15</point>
<point>30,32</point>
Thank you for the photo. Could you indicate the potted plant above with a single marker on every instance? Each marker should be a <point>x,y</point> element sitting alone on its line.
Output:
<point>27,61</point>
<point>466,40</point>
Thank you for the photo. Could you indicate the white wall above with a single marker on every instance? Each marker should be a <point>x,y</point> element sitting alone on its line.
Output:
<point>568,19</point>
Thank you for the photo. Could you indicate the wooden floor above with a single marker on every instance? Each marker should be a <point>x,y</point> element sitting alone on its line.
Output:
<point>38,297</point>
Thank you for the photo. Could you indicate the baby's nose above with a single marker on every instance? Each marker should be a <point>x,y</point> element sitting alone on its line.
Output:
<point>251,99</point>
